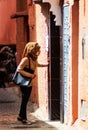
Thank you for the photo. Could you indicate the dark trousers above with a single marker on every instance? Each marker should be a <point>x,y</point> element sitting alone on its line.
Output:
<point>26,91</point>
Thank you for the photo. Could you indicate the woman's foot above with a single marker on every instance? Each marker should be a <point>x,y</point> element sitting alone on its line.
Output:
<point>19,118</point>
<point>26,122</point>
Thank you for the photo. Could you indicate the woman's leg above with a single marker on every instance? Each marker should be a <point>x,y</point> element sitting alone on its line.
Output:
<point>26,91</point>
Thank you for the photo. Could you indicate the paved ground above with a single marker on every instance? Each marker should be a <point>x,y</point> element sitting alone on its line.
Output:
<point>9,107</point>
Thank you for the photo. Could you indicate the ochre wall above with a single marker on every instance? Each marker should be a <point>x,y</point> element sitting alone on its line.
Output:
<point>38,21</point>
<point>75,43</point>
<point>83,63</point>
<point>7,25</point>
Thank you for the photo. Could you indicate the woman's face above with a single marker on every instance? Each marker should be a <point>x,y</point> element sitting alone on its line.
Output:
<point>38,53</point>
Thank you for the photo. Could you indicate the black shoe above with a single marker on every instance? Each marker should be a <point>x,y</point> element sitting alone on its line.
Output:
<point>26,122</point>
<point>19,119</point>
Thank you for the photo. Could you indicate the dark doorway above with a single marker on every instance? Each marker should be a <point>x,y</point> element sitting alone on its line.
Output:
<point>54,70</point>
<point>7,64</point>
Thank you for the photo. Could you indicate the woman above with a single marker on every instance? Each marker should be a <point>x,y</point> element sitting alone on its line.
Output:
<point>29,60</point>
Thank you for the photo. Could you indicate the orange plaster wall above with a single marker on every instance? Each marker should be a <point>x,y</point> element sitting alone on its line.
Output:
<point>83,74</point>
<point>42,33</point>
<point>38,32</point>
<point>7,25</point>
<point>31,21</point>
<point>75,42</point>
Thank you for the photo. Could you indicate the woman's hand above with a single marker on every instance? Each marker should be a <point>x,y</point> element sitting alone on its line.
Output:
<point>33,76</point>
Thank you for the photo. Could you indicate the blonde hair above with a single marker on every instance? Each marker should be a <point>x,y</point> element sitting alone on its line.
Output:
<point>30,50</point>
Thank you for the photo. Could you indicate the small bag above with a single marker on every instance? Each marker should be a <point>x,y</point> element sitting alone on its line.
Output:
<point>21,80</point>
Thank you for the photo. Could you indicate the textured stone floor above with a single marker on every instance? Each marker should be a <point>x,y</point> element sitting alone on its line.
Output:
<point>9,108</point>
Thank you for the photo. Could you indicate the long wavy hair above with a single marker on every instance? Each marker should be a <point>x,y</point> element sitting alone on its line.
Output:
<point>30,50</point>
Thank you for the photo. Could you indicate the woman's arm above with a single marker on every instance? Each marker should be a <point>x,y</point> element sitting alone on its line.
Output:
<point>42,65</point>
<point>24,63</point>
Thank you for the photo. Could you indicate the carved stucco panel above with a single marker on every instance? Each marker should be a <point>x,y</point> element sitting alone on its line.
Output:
<point>56,9</point>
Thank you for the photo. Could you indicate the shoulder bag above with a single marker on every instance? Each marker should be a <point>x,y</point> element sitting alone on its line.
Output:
<point>21,80</point>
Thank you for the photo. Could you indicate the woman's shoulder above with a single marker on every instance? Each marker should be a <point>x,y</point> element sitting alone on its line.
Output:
<point>25,59</point>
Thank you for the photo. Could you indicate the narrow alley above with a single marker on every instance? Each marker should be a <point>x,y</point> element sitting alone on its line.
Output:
<point>59,98</point>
